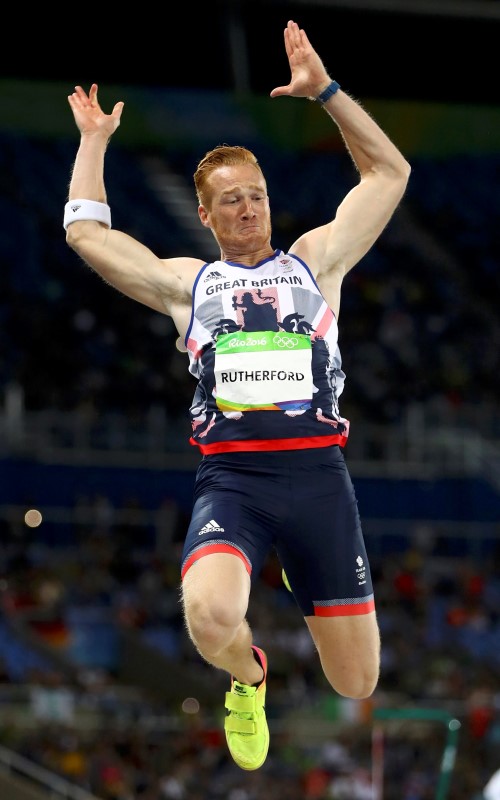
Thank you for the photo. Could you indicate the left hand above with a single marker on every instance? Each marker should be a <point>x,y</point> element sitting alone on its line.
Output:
<point>309,76</point>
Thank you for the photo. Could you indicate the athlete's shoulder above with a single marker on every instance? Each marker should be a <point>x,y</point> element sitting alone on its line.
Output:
<point>185,263</point>
<point>185,269</point>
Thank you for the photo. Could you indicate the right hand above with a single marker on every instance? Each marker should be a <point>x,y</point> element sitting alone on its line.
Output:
<point>89,115</point>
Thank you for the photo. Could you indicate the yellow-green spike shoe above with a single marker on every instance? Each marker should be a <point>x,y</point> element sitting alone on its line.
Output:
<point>247,732</point>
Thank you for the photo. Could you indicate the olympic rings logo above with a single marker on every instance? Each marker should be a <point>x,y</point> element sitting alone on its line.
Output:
<point>282,340</point>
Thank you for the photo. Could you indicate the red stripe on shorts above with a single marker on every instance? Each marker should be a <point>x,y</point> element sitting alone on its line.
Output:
<point>348,610</point>
<point>215,547</point>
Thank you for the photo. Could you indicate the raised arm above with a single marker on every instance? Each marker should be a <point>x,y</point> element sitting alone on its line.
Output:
<point>122,261</point>
<point>332,249</point>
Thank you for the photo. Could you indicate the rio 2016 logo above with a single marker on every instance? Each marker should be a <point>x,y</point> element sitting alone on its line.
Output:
<point>248,343</point>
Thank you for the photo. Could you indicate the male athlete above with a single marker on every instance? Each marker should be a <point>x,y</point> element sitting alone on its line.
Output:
<point>260,329</point>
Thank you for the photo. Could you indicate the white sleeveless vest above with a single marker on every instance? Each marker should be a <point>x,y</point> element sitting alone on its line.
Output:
<point>263,345</point>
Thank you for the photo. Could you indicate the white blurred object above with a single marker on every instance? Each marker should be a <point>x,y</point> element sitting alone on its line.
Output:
<point>492,789</point>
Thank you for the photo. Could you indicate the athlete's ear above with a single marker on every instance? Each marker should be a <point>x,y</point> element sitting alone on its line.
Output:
<point>203,215</point>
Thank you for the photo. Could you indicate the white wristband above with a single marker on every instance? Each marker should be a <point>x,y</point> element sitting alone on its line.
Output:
<point>76,210</point>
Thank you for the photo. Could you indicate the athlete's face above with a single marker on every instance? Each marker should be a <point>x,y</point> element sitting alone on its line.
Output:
<point>239,214</point>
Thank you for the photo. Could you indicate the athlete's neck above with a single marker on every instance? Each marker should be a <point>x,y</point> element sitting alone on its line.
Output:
<point>248,259</point>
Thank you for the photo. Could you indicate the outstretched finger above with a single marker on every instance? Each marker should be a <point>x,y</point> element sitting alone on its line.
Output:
<point>292,37</point>
<point>293,32</point>
<point>279,91</point>
<point>93,94</point>
<point>288,43</point>
<point>117,110</point>
<point>79,98</point>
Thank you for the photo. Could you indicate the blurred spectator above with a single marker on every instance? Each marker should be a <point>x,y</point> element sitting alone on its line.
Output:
<point>52,701</point>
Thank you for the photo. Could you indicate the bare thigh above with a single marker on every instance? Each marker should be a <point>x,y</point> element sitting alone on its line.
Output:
<point>216,588</point>
<point>349,651</point>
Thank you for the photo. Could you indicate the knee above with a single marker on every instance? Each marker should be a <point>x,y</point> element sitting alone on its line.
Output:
<point>359,687</point>
<point>356,682</point>
<point>211,624</point>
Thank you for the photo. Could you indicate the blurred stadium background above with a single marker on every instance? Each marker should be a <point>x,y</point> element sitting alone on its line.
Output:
<point>101,694</point>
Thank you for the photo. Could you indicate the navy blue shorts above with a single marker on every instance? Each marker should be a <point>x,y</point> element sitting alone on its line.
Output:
<point>299,502</point>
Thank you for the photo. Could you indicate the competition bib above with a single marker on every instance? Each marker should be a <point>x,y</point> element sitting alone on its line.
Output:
<point>263,370</point>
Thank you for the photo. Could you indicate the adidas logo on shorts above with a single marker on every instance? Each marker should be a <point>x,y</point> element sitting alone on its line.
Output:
<point>211,527</point>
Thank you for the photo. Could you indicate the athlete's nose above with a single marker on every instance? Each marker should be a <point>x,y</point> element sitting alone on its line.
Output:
<point>248,210</point>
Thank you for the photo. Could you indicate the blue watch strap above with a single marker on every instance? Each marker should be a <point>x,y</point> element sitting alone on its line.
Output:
<point>328,92</point>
